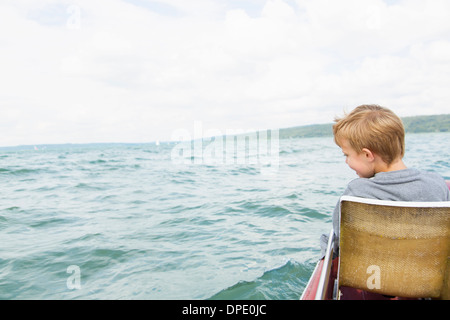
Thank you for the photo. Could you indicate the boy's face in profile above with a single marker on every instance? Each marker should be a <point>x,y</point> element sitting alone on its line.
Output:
<point>362,163</point>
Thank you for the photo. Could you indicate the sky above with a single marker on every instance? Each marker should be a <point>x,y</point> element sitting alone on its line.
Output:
<point>139,70</point>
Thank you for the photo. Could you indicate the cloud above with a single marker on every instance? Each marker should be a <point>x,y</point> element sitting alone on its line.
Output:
<point>137,70</point>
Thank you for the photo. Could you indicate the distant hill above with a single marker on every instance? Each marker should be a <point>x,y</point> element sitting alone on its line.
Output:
<point>417,124</point>
<point>436,123</point>
<point>309,131</point>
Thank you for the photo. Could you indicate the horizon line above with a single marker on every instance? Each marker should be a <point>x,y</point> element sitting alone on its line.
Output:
<point>169,141</point>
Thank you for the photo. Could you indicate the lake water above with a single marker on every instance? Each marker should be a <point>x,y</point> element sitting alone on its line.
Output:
<point>127,222</point>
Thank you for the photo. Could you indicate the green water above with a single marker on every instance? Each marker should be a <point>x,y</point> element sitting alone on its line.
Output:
<point>126,222</point>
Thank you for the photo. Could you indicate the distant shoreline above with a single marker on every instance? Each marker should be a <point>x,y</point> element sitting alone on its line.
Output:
<point>414,124</point>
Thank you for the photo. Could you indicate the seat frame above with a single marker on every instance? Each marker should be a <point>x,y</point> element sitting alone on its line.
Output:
<point>323,285</point>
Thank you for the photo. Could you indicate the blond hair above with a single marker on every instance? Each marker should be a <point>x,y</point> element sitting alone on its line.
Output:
<point>373,127</point>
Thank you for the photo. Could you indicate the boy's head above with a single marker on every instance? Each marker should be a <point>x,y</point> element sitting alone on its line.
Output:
<point>374,128</point>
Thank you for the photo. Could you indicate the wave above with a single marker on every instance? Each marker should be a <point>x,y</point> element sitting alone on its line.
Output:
<point>18,172</point>
<point>283,283</point>
<point>90,186</point>
<point>257,208</point>
<point>99,161</point>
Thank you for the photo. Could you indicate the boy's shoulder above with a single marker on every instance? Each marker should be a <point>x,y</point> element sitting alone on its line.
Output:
<point>401,176</point>
<point>407,185</point>
<point>360,187</point>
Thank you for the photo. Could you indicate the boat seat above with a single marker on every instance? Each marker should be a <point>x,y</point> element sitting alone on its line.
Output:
<point>395,248</point>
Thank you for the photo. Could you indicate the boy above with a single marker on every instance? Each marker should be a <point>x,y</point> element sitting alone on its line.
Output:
<point>372,139</point>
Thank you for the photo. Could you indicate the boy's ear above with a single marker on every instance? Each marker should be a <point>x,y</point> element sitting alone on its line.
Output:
<point>369,155</point>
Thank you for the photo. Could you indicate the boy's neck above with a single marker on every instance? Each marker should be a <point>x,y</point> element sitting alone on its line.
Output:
<point>382,166</point>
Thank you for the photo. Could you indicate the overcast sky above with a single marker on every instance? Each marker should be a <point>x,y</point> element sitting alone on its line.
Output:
<point>138,70</point>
